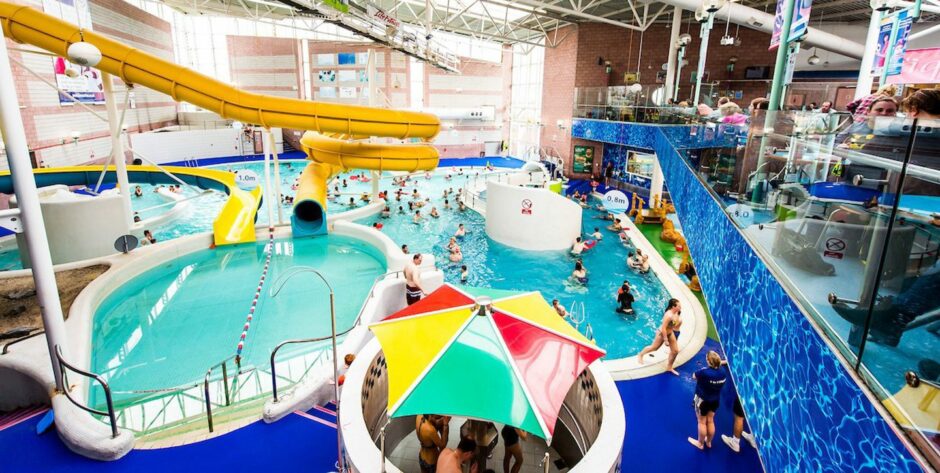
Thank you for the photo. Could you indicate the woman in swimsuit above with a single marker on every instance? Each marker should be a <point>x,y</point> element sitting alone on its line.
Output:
<point>432,433</point>
<point>580,273</point>
<point>511,437</point>
<point>667,333</point>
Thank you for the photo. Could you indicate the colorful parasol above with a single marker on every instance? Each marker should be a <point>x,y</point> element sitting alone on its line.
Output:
<point>512,364</point>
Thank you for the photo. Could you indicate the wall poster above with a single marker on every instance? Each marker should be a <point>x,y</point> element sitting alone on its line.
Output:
<point>583,159</point>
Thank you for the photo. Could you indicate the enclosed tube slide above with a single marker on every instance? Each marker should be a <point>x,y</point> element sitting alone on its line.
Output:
<point>327,122</point>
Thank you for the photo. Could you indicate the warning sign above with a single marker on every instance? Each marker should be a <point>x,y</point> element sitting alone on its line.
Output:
<point>526,207</point>
<point>835,248</point>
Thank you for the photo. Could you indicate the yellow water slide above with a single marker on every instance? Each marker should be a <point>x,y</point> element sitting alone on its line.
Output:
<point>328,123</point>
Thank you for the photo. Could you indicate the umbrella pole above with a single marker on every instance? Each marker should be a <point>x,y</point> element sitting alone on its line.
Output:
<point>339,431</point>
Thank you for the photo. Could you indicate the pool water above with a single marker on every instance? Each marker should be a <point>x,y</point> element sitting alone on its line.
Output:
<point>165,327</point>
<point>495,265</point>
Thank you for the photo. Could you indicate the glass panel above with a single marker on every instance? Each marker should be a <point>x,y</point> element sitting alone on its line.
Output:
<point>901,357</point>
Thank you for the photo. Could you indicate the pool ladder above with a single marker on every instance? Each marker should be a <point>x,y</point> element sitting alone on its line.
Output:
<point>578,316</point>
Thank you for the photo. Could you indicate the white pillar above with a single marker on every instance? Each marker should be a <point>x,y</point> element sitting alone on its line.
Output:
<point>670,85</point>
<point>373,101</point>
<point>117,146</point>
<point>702,55</point>
<point>865,79</point>
<point>34,228</point>
<point>272,147</point>
<point>266,192</point>
<point>656,182</point>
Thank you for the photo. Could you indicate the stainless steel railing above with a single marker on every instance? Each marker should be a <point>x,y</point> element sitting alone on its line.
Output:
<point>228,401</point>
<point>6,348</point>
<point>321,339</point>
<point>65,367</point>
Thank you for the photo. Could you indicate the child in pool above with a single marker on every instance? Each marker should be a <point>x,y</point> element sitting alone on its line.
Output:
<point>464,273</point>
<point>435,213</point>
<point>461,231</point>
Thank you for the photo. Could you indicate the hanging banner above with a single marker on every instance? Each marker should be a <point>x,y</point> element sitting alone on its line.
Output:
<point>778,26</point>
<point>381,16</point>
<point>338,5</point>
<point>800,23</point>
<point>905,21</point>
<point>921,66</point>
<point>83,83</point>
<point>884,37</point>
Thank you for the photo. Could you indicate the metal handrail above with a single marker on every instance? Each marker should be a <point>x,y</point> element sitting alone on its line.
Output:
<point>320,339</point>
<point>6,347</point>
<point>224,364</point>
<point>104,384</point>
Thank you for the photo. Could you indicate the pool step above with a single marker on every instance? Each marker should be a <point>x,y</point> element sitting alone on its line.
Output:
<point>196,428</point>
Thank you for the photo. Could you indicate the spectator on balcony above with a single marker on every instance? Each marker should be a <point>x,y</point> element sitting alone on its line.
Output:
<point>732,115</point>
<point>860,107</point>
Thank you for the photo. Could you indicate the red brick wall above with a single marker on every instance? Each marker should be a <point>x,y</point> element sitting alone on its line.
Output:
<point>558,85</point>
<point>265,65</point>
<point>574,63</point>
<point>48,124</point>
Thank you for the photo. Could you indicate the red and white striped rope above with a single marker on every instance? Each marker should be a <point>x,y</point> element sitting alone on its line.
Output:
<point>254,300</point>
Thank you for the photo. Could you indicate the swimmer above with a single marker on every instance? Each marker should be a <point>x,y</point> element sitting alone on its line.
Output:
<point>377,225</point>
<point>137,218</point>
<point>344,183</point>
<point>364,197</point>
<point>352,202</point>
<point>417,218</point>
<point>148,238</point>
<point>625,299</point>
<point>435,213</point>
<point>576,195</point>
<point>446,204</point>
<point>404,249</point>
<point>411,206</point>
<point>448,177</point>
<point>616,226</point>
<point>559,309</point>
<point>401,210</point>
<point>597,234</point>
<point>452,243</point>
<point>667,333</point>
<point>460,206</point>
<point>456,255</point>
<point>580,273</point>
<point>639,261</point>
<point>461,231</point>
<point>427,175</point>
<point>420,204</point>
<point>464,273</point>
<point>578,247</point>
<point>138,192</point>
<point>415,195</point>
<point>386,212</point>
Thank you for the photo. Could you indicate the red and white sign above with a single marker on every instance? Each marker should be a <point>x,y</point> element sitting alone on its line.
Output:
<point>526,207</point>
<point>921,66</point>
<point>380,15</point>
<point>835,248</point>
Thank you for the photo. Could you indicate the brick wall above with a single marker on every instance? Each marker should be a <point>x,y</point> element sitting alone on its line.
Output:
<point>574,63</point>
<point>49,125</point>
<point>558,92</point>
<point>265,65</point>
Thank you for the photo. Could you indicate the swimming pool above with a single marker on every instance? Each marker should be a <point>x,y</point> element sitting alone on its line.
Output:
<point>165,327</point>
<point>495,265</point>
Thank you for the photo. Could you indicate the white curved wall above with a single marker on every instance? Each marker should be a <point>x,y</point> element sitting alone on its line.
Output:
<point>78,227</point>
<point>552,222</point>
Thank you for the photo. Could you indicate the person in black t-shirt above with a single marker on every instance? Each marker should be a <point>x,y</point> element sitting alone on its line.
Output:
<point>625,299</point>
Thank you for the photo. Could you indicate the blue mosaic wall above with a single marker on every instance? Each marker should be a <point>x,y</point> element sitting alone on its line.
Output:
<point>805,409</point>
<point>807,413</point>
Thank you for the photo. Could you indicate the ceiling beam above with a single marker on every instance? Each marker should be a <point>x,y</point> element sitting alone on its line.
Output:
<point>575,13</point>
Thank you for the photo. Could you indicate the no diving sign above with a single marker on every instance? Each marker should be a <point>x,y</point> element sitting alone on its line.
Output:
<point>526,207</point>
<point>835,248</point>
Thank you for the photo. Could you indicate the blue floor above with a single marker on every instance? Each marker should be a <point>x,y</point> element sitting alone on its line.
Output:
<point>292,443</point>
<point>660,417</point>
<point>658,409</point>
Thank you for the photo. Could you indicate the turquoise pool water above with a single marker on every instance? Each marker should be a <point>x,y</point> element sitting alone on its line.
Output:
<point>165,327</point>
<point>492,264</point>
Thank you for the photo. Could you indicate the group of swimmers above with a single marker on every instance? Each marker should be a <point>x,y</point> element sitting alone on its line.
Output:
<point>477,440</point>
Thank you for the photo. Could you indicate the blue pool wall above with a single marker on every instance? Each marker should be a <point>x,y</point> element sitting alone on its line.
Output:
<point>806,410</point>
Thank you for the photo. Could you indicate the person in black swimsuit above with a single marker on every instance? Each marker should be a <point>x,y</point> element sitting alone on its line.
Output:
<point>511,437</point>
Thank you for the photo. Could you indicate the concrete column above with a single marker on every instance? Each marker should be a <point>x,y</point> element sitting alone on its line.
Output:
<point>115,122</point>
<point>865,79</point>
<point>669,86</point>
<point>34,228</point>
